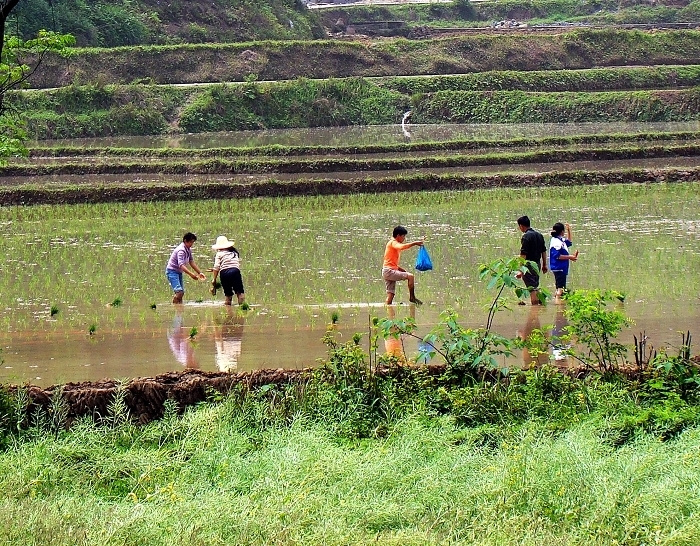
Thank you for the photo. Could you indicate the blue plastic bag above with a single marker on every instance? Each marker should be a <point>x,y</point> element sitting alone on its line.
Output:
<point>423,261</point>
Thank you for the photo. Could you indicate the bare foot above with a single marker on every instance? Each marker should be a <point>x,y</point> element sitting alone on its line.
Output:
<point>416,301</point>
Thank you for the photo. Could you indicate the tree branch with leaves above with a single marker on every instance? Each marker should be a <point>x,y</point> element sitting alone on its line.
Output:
<point>19,59</point>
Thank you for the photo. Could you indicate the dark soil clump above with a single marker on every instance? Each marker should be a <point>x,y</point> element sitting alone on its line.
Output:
<point>145,397</point>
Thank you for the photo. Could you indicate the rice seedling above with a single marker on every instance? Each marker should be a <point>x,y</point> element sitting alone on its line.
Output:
<point>54,310</point>
<point>92,329</point>
<point>326,251</point>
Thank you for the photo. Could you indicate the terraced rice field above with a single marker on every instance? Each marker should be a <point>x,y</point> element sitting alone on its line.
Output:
<point>90,222</point>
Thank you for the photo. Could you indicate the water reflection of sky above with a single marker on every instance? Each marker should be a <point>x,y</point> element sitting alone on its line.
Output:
<point>374,135</point>
<point>228,340</point>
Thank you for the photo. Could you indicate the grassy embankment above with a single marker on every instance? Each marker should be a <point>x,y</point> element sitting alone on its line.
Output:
<point>653,93</point>
<point>76,112</point>
<point>350,457</point>
<point>112,23</point>
<point>503,79</point>
<point>285,60</point>
<point>465,14</point>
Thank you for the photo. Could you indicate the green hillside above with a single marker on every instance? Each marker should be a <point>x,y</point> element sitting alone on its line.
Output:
<point>110,23</point>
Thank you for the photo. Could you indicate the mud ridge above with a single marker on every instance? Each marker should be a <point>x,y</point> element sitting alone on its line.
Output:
<point>274,188</point>
<point>145,397</point>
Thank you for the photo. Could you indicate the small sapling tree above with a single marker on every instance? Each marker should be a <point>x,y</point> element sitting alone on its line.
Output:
<point>465,349</point>
<point>596,327</point>
<point>18,61</point>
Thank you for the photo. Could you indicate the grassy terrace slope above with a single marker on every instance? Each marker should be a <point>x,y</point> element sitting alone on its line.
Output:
<point>664,93</point>
<point>326,59</point>
<point>573,76</point>
<point>474,14</point>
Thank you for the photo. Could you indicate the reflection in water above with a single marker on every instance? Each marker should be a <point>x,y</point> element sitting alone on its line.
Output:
<point>180,342</point>
<point>394,346</point>
<point>560,336</point>
<point>532,322</point>
<point>374,134</point>
<point>228,339</point>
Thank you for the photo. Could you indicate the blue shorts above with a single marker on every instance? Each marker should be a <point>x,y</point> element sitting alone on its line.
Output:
<point>175,280</point>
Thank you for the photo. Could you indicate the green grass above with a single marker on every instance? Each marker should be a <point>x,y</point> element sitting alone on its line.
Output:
<point>636,94</point>
<point>427,482</point>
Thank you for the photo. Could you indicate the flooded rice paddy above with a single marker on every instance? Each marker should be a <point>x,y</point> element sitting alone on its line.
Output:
<point>139,179</point>
<point>100,267</point>
<point>375,135</point>
<point>83,295</point>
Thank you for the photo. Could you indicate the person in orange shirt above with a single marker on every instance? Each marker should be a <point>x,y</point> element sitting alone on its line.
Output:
<point>391,272</point>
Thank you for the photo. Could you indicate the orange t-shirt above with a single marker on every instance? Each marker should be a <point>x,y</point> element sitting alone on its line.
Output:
<point>392,252</point>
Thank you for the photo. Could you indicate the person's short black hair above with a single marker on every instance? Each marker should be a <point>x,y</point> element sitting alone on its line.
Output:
<point>524,221</point>
<point>399,230</point>
<point>189,237</point>
<point>557,229</point>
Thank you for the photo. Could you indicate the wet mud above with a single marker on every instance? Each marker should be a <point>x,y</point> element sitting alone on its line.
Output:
<point>145,397</point>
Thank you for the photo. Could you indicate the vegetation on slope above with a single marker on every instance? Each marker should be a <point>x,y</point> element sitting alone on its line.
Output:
<point>110,23</point>
<point>200,63</point>
<point>486,97</point>
<point>462,13</point>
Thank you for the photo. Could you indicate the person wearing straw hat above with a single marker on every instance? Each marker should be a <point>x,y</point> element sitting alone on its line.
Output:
<point>180,258</point>
<point>227,265</point>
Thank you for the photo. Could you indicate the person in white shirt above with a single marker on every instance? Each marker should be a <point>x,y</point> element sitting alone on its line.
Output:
<point>227,266</point>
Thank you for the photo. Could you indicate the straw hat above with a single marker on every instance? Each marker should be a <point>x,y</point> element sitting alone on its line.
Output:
<point>222,243</point>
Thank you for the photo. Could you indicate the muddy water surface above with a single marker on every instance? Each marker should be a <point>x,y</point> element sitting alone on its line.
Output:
<point>373,134</point>
<point>303,258</point>
<point>231,340</point>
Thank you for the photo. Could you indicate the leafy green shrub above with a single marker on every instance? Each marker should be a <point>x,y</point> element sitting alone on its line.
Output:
<point>196,34</point>
<point>543,393</point>
<point>668,375</point>
<point>125,22</point>
<point>596,328</point>
<point>664,420</point>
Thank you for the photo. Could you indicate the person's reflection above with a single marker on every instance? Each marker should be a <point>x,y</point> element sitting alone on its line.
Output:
<point>180,342</point>
<point>394,345</point>
<point>228,337</point>
<point>532,356</point>
<point>560,337</point>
